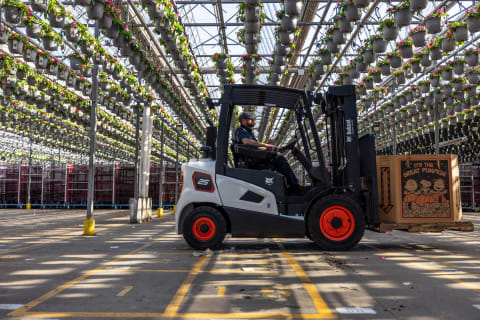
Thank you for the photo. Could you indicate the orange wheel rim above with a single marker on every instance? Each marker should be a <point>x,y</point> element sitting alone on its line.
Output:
<point>337,223</point>
<point>204,229</point>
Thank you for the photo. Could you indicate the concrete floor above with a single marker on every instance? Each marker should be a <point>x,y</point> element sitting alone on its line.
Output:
<point>49,270</point>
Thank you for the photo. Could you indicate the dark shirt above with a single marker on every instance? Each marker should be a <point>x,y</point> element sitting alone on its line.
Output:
<point>243,132</point>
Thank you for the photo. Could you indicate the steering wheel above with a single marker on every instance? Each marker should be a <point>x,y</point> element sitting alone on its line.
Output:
<point>289,146</point>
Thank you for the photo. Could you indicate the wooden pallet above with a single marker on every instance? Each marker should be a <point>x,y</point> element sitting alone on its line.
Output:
<point>465,226</point>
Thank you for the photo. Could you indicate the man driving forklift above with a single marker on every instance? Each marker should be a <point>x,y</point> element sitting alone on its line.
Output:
<point>244,135</point>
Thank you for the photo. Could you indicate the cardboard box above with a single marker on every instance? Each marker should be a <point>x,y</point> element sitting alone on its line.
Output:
<point>419,188</point>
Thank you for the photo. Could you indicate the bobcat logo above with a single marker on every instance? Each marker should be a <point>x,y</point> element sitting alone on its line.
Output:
<point>269,181</point>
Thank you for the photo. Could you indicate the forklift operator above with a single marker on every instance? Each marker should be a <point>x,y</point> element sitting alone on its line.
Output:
<point>244,135</point>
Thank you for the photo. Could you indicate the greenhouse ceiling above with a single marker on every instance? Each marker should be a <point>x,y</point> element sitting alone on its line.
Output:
<point>175,54</point>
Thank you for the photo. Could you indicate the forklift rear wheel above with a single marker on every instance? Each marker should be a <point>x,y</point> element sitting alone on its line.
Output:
<point>204,228</point>
<point>336,223</point>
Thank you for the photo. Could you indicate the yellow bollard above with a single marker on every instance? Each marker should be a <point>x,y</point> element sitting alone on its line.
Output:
<point>29,206</point>
<point>159,212</point>
<point>174,207</point>
<point>89,227</point>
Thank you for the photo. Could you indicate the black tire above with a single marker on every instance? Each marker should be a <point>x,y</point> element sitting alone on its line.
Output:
<point>342,225</point>
<point>204,228</point>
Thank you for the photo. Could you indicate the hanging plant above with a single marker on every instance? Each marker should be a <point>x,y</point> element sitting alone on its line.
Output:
<point>51,40</point>
<point>56,14</point>
<point>471,56</point>
<point>389,30</point>
<point>434,49</point>
<point>435,78</point>
<point>405,48</point>
<point>418,36</point>
<point>395,59</point>
<point>434,21</point>
<point>14,11</point>
<point>401,13</point>
<point>77,60</point>
<point>384,66</point>
<point>472,18</point>
<point>448,41</point>
<point>459,30</point>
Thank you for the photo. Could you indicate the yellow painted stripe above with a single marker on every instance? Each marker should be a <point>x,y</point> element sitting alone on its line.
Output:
<point>124,291</point>
<point>221,291</point>
<point>319,303</point>
<point>174,304</point>
<point>136,315</point>
<point>21,311</point>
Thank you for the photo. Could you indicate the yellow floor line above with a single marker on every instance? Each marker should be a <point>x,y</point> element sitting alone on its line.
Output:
<point>21,311</point>
<point>124,291</point>
<point>221,291</point>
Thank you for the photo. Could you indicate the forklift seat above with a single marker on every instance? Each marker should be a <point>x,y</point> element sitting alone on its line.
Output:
<point>250,157</point>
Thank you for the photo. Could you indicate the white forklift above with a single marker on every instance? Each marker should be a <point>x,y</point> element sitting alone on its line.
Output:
<point>249,199</point>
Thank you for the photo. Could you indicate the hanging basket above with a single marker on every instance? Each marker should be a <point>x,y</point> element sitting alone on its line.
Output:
<point>156,11</point>
<point>135,59</point>
<point>361,66</point>
<point>473,77</point>
<point>461,34</point>
<point>119,41</point>
<point>293,7</point>
<point>283,50</point>
<point>418,39</point>
<point>286,37</point>
<point>35,30</point>
<point>251,48</point>
<point>252,26</point>
<point>369,84</point>
<point>379,45</point>
<point>448,44</point>
<point>41,62</point>
<point>62,74</point>
<point>448,90</point>
<point>112,32</point>
<point>390,33</point>
<point>385,69</point>
<point>105,22</point>
<point>332,46</point>
<point>435,53</point>
<point>278,68</point>
<point>52,69</point>
<point>473,24</point>
<point>435,81</point>
<point>369,56</point>
<point>289,23</point>
<point>49,44</point>
<point>326,58</point>
<point>337,37</point>
<point>13,14</point>
<point>76,63</point>
<point>95,11</point>
<point>352,13</point>
<point>458,67</point>
<point>87,71</point>
<point>425,60</point>
<point>377,77</point>
<point>30,55</point>
<point>418,4</point>
<point>354,74</point>
<point>471,60</point>
<point>72,34</point>
<point>252,13</point>
<point>39,5</point>
<point>126,51</point>
<point>416,67</point>
<point>251,38</point>
<point>56,21</point>
<point>406,51</point>
<point>344,25</point>
<point>15,46</point>
<point>403,17</point>
<point>71,81</point>
<point>433,25</point>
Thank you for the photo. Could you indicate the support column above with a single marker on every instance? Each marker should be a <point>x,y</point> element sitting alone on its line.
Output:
<point>29,186</point>
<point>394,139</point>
<point>89,223</point>
<point>143,210</point>
<point>160,187</point>
<point>178,129</point>
<point>437,128</point>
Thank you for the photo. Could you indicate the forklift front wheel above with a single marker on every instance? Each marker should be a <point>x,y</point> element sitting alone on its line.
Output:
<point>336,223</point>
<point>204,228</point>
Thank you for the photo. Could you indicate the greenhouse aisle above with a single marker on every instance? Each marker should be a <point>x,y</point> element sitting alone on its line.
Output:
<point>147,271</point>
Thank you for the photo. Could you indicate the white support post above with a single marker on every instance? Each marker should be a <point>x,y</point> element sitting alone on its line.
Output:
<point>19,182</point>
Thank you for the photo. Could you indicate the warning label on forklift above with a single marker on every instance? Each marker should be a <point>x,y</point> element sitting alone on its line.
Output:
<point>425,188</point>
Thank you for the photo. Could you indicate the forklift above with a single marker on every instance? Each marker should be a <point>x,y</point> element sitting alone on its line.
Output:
<point>247,198</point>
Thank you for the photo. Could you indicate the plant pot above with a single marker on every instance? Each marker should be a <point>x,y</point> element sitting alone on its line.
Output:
<point>72,80</point>
<point>293,7</point>
<point>435,53</point>
<point>96,10</point>
<point>337,37</point>
<point>344,25</point>
<point>425,60</point>
<point>87,91</point>
<point>418,4</point>
<point>251,27</point>
<point>117,74</point>
<point>87,71</point>
<point>29,55</point>
<point>403,17</point>
<point>352,12</point>
<point>126,51</point>
<point>34,30</point>
<point>251,38</point>
<point>473,24</point>
<point>41,62</point>
<point>406,51</point>
<point>21,75</point>
<point>119,41</point>
<point>354,74</point>
<point>433,25</point>
<point>56,21</point>
<point>283,50</point>
<point>390,33</point>
<point>252,13</point>
<point>379,45</point>
<point>369,56</point>
<point>448,44</point>
<point>279,59</point>
<point>112,32</point>
<point>418,39</point>
<point>332,46</point>
<point>13,14</point>
<point>461,34</point>
<point>447,75</point>
<point>135,59</point>
<point>39,5</point>
<point>385,69</point>
<point>416,67</point>
<point>458,67</point>
<point>52,69</point>
<point>76,63</point>
<point>361,66</point>
<point>278,68</point>
<point>447,90</point>
<point>15,46</point>
<point>473,78</point>
<point>49,44</point>
<point>105,22</point>
<point>72,34</point>
<point>361,3</point>
<point>472,91</point>
<point>395,61</point>
<point>369,84</point>
<point>400,79</point>
<point>97,58</point>
<point>425,88</point>
<point>472,60</point>
<point>318,70</point>
<point>83,3</point>
<point>377,77</point>
<point>156,11</point>
<point>326,59</point>
<point>286,37</point>
<point>62,75</point>
<point>251,48</point>
<point>435,82</point>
